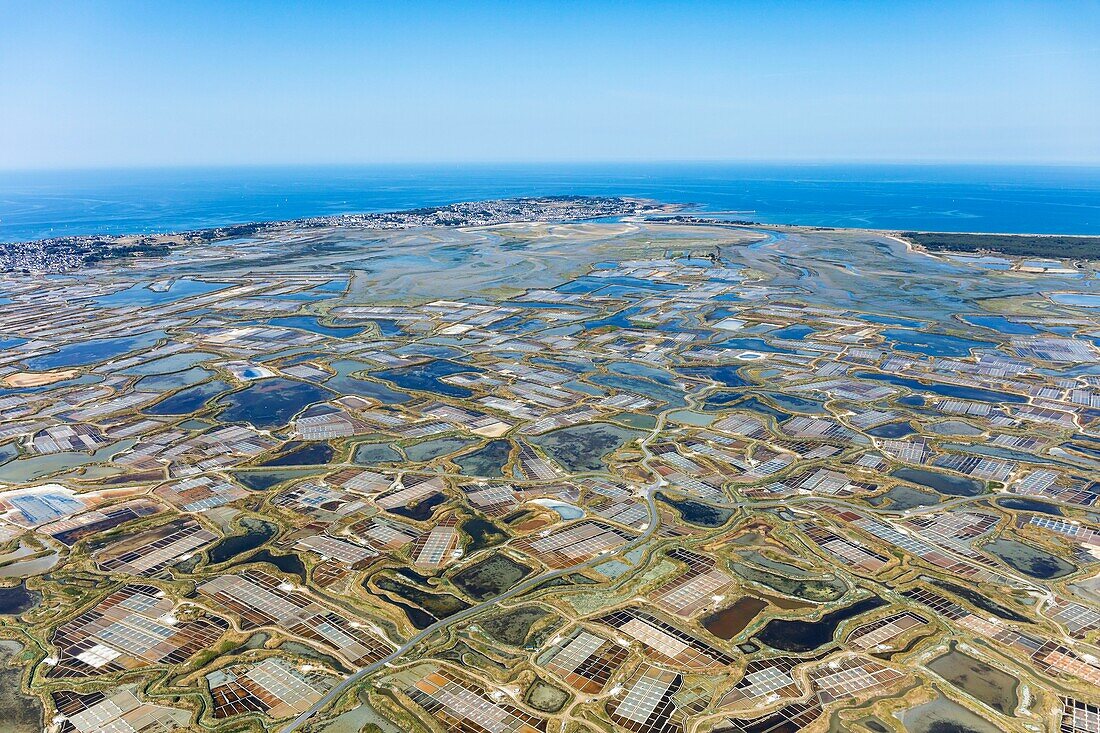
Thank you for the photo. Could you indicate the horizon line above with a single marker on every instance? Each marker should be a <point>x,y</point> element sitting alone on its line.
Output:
<point>746,162</point>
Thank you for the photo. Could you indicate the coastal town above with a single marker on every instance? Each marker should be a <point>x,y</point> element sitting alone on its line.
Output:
<point>547,465</point>
<point>61,254</point>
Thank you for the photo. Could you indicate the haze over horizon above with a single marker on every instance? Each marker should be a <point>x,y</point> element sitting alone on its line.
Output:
<point>134,85</point>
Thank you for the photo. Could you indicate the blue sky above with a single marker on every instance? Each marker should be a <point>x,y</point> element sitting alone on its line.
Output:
<point>115,84</point>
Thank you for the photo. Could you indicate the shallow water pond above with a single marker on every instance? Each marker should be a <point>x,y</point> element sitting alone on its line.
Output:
<point>368,453</point>
<point>546,697</point>
<point>488,460</point>
<point>490,577</point>
<point>356,720</point>
<point>732,620</point>
<point>691,417</point>
<point>819,591</point>
<point>944,716</point>
<point>344,383</point>
<point>563,509</point>
<point>755,557</point>
<point>906,497</point>
<point>1085,300</point>
<point>945,483</point>
<point>1029,560</point>
<point>22,470</point>
<point>583,447</point>
<point>954,427</point>
<point>168,364</point>
<point>262,480</point>
<point>20,713</point>
<point>513,627</point>
<point>993,686</point>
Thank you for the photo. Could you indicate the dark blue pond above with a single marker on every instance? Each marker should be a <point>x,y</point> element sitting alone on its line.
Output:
<point>722,398</point>
<point>270,403</point>
<point>932,344</point>
<point>619,320</point>
<point>92,352</point>
<point>1000,324</point>
<point>346,384</point>
<point>314,325</point>
<point>643,370</point>
<point>892,430</point>
<point>426,377</point>
<point>11,343</point>
<point>758,405</point>
<point>753,344</point>
<point>1030,505</point>
<point>188,400</point>
<point>721,312</point>
<point>794,402</point>
<point>945,483</point>
<point>727,375</point>
<point>794,332</point>
<point>803,636</point>
<point>389,328</point>
<point>296,454</point>
<point>944,390</point>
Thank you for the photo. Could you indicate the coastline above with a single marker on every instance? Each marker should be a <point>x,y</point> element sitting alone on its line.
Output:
<point>65,253</point>
<point>60,254</point>
<point>908,237</point>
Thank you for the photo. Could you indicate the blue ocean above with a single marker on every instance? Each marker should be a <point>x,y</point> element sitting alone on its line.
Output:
<point>1041,200</point>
